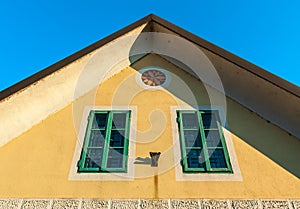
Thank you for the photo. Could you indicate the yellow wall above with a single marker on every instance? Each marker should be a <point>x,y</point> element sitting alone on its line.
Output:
<point>37,163</point>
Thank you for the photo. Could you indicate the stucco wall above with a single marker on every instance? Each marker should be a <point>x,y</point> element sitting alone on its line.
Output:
<point>37,163</point>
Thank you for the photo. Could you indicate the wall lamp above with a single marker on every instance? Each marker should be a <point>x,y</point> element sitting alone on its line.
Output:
<point>154,158</point>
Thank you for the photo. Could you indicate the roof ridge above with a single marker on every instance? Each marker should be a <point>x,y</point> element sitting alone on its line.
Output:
<point>69,59</point>
<point>250,67</point>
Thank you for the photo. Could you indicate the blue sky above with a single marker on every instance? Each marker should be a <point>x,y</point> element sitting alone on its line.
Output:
<point>38,33</point>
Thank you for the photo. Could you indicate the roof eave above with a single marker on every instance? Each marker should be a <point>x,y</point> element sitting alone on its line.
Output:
<point>62,63</point>
<point>248,66</point>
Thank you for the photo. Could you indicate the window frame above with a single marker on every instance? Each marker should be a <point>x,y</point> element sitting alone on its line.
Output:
<point>207,168</point>
<point>106,146</point>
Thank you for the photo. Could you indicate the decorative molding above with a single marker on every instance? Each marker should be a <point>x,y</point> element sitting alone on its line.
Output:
<point>95,203</point>
<point>184,204</point>
<point>66,204</point>
<point>244,204</point>
<point>36,204</point>
<point>125,204</point>
<point>212,204</point>
<point>164,84</point>
<point>282,204</point>
<point>155,203</point>
<point>149,203</point>
<point>10,203</point>
<point>296,204</point>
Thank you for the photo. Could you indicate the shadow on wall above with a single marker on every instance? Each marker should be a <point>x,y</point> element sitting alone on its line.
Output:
<point>265,137</point>
<point>143,161</point>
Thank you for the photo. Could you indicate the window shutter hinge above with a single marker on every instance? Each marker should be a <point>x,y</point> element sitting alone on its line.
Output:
<point>90,114</point>
<point>78,163</point>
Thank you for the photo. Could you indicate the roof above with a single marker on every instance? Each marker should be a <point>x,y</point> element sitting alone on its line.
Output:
<point>279,88</point>
<point>289,87</point>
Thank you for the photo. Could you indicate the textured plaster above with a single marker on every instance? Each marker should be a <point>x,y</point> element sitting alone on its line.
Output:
<point>148,204</point>
<point>52,93</point>
<point>47,149</point>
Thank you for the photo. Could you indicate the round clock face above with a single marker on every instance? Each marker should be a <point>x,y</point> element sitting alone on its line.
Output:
<point>153,77</point>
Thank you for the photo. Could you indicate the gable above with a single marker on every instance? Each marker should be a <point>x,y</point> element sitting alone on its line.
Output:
<point>268,92</point>
<point>257,89</point>
<point>52,142</point>
<point>57,86</point>
<point>45,122</point>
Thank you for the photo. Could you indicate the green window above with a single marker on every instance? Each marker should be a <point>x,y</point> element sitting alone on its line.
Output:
<point>105,147</point>
<point>203,145</point>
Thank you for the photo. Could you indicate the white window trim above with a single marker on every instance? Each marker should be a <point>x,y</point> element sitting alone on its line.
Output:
<point>180,175</point>
<point>129,176</point>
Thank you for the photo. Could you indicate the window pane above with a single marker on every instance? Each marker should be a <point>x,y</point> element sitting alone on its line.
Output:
<point>97,138</point>
<point>192,138</point>
<point>115,158</point>
<point>93,158</point>
<point>104,144</point>
<point>100,120</point>
<point>217,158</point>
<point>190,120</point>
<point>119,120</point>
<point>117,138</point>
<point>195,159</point>
<point>213,138</point>
<point>209,120</point>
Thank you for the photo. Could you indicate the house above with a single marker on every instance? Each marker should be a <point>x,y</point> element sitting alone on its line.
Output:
<point>151,116</point>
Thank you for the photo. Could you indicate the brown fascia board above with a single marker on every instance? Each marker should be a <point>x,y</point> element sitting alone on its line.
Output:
<point>275,80</point>
<point>60,64</point>
<point>260,72</point>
